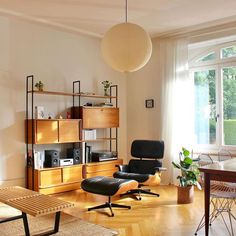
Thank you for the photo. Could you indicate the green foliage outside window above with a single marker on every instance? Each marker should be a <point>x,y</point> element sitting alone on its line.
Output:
<point>228,52</point>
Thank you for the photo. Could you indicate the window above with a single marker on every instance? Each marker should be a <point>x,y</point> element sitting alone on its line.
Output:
<point>208,57</point>
<point>205,106</point>
<point>214,82</point>
<point>228,52</point>
<point>229,105</point>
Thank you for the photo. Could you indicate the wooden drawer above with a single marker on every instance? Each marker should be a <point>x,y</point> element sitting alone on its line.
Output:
<point>60,188</point>
<point>68,131</point>
<point>106,168</point>
<point>108,173</point>
<point>97,168</point>
<point>72,174</point>
<point>50,177</point>
<point>99,117</point>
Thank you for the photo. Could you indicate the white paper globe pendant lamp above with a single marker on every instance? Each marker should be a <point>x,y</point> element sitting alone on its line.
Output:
<point>126,47</point>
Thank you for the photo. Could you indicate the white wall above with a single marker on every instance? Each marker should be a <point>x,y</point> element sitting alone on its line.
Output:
<point>56,58</point>
<point>144,123</point>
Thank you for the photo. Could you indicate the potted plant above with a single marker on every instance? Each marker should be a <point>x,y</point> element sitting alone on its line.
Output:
<point>188,178</point>
<point>39,85</point>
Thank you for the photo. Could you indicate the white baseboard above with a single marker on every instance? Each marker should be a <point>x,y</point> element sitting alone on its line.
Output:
<point>12,182</point>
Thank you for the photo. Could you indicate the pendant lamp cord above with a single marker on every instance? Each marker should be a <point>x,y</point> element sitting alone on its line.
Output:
<point>126,11</point>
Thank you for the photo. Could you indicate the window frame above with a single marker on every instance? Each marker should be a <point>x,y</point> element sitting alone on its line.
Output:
<point>217,64</point>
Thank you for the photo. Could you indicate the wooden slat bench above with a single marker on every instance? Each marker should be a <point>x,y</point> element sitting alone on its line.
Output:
<point>32,203</point>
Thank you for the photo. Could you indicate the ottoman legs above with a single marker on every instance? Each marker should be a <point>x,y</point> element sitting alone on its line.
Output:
<point>109,204</point>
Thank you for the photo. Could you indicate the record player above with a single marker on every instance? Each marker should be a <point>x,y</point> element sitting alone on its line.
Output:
<point>103,155</point>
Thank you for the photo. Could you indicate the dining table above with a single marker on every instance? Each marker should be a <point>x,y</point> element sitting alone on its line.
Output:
<point>224,171</point>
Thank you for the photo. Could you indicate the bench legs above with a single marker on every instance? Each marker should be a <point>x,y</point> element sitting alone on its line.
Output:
<point>26,224</point>
<point>11,219</point>
<point>109,205</point>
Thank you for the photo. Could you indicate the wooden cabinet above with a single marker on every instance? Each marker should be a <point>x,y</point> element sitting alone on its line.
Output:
<point>55,180</point>
<point>105,168</point>
<point>99,117</point>
<point>54,131</point>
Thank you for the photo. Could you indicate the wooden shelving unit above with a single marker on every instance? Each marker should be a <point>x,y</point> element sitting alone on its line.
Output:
<point>59,131</point>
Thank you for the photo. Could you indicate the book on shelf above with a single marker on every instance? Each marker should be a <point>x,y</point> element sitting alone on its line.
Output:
<point>38,159</point>
<point>89,134</point>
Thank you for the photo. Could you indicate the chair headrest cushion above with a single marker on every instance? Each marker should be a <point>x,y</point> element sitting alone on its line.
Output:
<point>153,149</point>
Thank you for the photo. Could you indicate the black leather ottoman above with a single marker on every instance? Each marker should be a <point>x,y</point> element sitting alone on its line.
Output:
<point>108,186</point>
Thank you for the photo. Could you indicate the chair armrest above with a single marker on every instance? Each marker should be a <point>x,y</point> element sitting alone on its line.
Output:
<point>123,168</point>
<point>159,169</point>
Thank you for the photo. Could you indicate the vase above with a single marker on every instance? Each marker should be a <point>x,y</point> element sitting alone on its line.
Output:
<point>106,92</point>
<point>185,194</point>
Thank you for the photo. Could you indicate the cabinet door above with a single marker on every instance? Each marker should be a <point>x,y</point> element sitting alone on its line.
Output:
<point>50,177</point>
<point>68,131</point>
<point>101,117</point>
<point>46,131</point>
<point>72,174</point>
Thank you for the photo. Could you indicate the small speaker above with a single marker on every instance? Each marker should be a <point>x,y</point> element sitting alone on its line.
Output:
<point>75,153</point>
<point>51,158</point>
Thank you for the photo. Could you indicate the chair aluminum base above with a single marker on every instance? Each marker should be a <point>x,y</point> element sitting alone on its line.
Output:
<point>140,191</point>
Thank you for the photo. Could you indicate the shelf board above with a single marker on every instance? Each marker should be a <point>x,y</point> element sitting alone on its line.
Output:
<point>98,140</point>
<point>70,94</point>
<point>51,93</point>
<point>95,96</point>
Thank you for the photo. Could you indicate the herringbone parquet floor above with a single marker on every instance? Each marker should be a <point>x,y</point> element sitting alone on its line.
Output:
<point>152,216</point>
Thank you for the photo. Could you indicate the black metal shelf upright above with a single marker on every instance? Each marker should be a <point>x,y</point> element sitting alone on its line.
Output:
<point>30,156</point>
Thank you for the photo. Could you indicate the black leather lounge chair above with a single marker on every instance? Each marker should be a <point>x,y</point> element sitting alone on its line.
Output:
<point>147,169</point>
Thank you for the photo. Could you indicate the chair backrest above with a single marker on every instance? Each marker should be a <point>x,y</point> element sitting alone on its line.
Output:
<point>224,155</point>
<point>151,149</point>
<point>204,159</point>
<point>143,166</point>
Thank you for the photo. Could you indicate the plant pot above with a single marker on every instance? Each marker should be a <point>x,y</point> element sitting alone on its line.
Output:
<point>185,194</point>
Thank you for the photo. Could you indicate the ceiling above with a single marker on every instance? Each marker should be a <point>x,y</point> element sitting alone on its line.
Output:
<point>95,17</point>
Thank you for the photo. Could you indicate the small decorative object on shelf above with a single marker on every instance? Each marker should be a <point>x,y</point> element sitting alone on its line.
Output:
<point>68,115</point>
<point>106,84</point>
<point>39,85</point>
<point>39,112</point>
<point>50,116</point>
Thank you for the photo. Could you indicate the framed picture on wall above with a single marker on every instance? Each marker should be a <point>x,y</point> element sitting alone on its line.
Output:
<point>149,103</point>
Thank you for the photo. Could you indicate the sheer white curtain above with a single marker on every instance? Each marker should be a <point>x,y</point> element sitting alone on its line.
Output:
<point>177,101</point>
